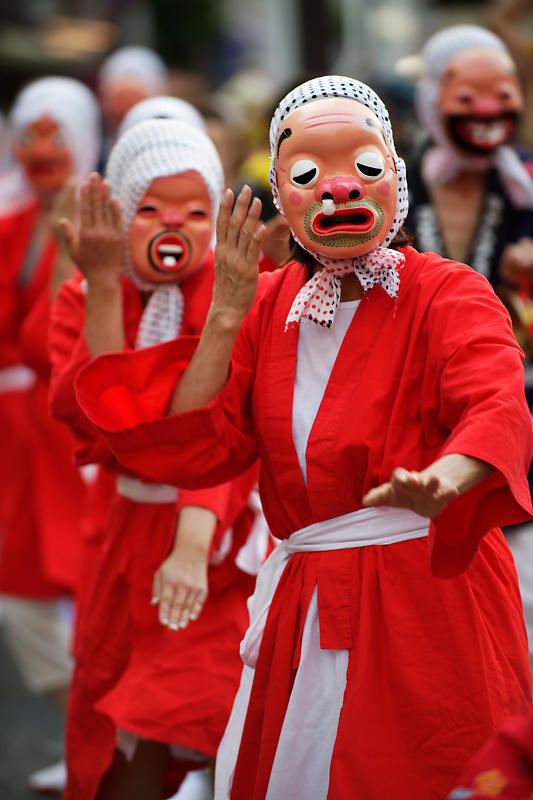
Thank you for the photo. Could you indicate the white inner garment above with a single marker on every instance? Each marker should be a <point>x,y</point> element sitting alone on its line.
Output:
<point>318,348</point>
<point>310,725</point>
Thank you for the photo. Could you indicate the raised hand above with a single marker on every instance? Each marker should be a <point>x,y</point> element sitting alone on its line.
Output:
<point>97,246</point>
<point>239,235</point>
<point>424,493</point>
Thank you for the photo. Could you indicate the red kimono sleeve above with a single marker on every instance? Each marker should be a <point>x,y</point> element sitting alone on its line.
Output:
<point>484,412</point>
<point>125,395</point>
<point>68,354</point>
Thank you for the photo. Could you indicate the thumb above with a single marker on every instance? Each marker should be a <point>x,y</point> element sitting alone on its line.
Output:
<point>69,237</point>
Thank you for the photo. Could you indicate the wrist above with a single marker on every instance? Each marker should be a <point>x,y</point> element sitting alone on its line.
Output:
<point>224,320</point>
<point>104,284</point>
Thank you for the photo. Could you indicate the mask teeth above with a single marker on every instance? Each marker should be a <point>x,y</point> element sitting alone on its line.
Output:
<point>328,206</point>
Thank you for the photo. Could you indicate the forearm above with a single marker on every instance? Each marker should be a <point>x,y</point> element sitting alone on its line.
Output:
<point>208,371</point>
<point>104,325</point>
<point>462,472</point>
<point>195,530</point>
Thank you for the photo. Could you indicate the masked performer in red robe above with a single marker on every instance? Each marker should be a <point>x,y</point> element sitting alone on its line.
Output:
<point>382,390</point>
<point>148,702</point>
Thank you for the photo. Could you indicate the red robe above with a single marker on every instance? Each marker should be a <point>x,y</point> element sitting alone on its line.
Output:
<point>173,687</point>
<point>42,489</point>
<point>434,664</point>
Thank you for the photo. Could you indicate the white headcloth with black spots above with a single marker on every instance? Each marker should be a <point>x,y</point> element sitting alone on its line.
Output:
<point>381,265</point>
<point>159,148</point>
<point>443,161</point>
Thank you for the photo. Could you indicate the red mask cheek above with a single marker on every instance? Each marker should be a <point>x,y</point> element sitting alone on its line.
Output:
<point>383,188</point>
<point>295,198</point>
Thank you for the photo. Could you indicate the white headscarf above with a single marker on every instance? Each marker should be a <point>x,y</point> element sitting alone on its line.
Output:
<point>137,63</point>
<point>162,107</point>
<point>73,107</point>
<point>444,161</point>
<point>380,265</point>
<point>155,149</point>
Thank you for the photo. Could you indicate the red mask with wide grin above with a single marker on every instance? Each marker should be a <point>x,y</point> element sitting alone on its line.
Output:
<point>340,201</point>
<point>480,100</point>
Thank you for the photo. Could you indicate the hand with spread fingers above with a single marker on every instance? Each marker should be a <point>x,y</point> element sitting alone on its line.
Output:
<point>429,492</point>
<point>180,584</point>
<point>97,246</point>
<point>239,237</point>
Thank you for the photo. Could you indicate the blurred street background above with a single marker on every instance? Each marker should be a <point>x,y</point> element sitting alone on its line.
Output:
<point>233,59</point>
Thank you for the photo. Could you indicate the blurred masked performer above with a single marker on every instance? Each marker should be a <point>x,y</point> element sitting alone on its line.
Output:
<point>471,194</point>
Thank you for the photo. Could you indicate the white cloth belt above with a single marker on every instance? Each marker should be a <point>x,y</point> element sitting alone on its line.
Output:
<point>140,492</point>
<point>17,378</point>
<point>368,526</point>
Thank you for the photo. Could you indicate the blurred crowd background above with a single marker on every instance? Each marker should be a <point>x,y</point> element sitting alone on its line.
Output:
<point>233,59</point>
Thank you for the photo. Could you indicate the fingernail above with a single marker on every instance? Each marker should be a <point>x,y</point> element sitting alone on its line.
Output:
<point>164,619</point>
<point>154,600</point>
<point>173,626</point>
<point>183,624</point>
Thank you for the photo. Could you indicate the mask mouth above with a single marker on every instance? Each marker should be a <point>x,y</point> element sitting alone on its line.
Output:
<point>169,252</point>
<point>45,167</point>
<point>481,135</point>
<point>344,219</point>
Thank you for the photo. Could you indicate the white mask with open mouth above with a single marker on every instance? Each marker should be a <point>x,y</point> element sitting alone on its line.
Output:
<point>153,149</point>
<point>381,264</point>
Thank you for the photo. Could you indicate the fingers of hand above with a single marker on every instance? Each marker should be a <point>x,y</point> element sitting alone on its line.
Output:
<point>224,215</point>
<point>105,203</point>
<point>166,600</point>
<point>249,227</point>
<point>95,197</point>
<point>238,216</point>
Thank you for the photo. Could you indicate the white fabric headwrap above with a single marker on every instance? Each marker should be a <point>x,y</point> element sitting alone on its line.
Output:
<point>136,63</point>
<point>73,107</point>
<point>444,161</point>
<point>155,149</point>
<point>379,266</point>
<point>162,107</point>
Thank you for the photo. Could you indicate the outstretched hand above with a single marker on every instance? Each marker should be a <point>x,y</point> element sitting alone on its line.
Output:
<point>424,493</point>
<point>239,236</point>
<point>97,246</point>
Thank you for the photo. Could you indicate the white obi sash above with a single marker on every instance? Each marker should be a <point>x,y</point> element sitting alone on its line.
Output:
<point>381,525</point>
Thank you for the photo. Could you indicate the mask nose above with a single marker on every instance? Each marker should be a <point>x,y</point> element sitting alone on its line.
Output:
<point>172,218</point>
<point>486,106</point>
<point>339,189</point>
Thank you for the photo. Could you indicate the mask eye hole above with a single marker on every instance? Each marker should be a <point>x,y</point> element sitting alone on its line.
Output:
<point>370,166</point>
<point>304,172</point>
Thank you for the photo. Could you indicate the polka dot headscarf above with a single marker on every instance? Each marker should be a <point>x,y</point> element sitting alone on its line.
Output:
<point>319,298</point>
<point>152,149</point>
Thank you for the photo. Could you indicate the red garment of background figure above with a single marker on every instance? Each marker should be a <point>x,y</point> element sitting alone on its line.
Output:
<point>161,685</point>
<point>39,511</point>
<point>504,767</point>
